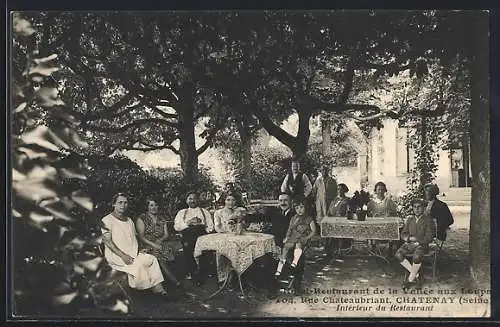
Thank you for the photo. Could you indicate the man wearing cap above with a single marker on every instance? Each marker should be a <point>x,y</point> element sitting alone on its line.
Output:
<point>417,233</point>
<point>438,210</point>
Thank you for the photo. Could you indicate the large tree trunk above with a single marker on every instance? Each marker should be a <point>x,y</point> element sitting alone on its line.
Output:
<point>299,147</point>
<point>326,135</point>
<point>424,173</point>
<point>246,156</point>
<point>187,146</point>
<point>479,237</point>
<point>466,156</point>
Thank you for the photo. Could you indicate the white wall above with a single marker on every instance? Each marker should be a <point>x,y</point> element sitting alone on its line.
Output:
<point>350,176</point>
<point>384,160</point>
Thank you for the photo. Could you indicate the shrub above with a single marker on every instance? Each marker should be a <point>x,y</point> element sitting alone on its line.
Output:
<point>120,174</point>
<point>269,167</point>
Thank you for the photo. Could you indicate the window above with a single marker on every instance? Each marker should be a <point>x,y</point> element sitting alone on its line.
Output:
<point>405,156</point>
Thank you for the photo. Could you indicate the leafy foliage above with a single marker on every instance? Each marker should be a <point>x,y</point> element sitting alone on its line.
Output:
<point>174,192</point>
<point>269,167</point>
<point>443,97</point>
<point>56,262</point>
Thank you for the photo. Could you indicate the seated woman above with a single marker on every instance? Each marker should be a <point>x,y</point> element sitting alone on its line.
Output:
<point>381,205</point>
<point>301,229</point>
<point>417,233</point>
<point>122,250</point>
<point>152,231</point>
<point>230,188</point>
<point>338,208</point>
<point>222,217</point>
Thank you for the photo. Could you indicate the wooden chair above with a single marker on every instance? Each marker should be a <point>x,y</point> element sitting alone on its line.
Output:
<point>432,256</point>
<point>116,279</point>
<point>435,248</point>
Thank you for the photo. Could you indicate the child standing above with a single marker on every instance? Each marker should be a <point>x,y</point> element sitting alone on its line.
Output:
<point>300,230</point>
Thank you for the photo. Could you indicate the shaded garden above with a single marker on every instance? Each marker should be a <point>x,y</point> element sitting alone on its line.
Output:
<point>89,85</point>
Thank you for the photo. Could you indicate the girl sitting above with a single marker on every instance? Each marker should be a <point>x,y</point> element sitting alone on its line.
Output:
<point>301,229</point>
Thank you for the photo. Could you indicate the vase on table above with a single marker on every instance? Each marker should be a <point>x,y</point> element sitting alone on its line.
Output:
<point>238,229</point>
<point>361,215</point>
<point>350,215</point>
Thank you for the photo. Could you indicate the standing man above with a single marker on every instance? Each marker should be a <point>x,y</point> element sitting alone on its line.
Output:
<point>438,210</point>
<point>296,182</point>
<point>193,222</point>
<point>325,190</point>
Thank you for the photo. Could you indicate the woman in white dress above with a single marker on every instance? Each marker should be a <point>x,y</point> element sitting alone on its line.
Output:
<point>122,250</point>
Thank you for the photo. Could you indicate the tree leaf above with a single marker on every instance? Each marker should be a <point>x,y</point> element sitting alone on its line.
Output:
<point>92,264</point>
<point>58,210</point>
<point>72,174</point>
<point>48,97</point>
<point>40,219</point>
<point>82,200</point>
<point>20,107</point>
<point>21,26</point>
<point>33,190</point>
<point>65,299</point>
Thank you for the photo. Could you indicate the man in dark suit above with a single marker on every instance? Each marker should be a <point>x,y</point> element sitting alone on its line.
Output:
<point>438,210</point>
<point>277,220</point>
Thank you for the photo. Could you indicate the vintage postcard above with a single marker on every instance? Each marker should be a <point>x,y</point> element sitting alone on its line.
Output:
<point>249,164</point>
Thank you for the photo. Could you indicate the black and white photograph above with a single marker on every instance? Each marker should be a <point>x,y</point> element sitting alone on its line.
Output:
<point>241,164</point>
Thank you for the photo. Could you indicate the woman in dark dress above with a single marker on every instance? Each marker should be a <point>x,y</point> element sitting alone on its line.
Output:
<point>338,208</point>
<point>153,233</point>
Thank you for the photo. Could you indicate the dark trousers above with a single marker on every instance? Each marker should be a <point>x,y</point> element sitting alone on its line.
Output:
<point>299,270</point>
<point>262,272</point>
<point>189,237</point>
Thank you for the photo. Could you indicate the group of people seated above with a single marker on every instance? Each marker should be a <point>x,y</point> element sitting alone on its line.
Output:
<point>142,250</point>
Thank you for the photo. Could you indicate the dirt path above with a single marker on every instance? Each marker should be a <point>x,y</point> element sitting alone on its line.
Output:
<point>321,276</point>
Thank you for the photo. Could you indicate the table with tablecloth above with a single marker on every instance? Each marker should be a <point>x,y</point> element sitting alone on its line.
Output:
<point>239,250</point>
<point>386,229</point>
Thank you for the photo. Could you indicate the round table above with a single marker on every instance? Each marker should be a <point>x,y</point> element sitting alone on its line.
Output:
<point>240,250</point>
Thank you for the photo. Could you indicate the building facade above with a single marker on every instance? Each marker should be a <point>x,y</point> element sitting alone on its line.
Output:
<point>387,157</point>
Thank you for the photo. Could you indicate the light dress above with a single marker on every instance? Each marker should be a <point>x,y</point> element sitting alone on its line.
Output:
<point>145,271</point>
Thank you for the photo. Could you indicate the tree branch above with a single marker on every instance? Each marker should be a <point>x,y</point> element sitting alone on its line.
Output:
<point>151,147</point>
<point>393,67</point>
<point>349,78</point>
<point>340,108</point>
<point>163,113</point>
<point>272,128</point>
<point>210,136</point>
<point>135,123</point>
<point>396,114</point>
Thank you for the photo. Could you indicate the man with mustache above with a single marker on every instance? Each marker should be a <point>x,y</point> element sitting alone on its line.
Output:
<point>277,220</point>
